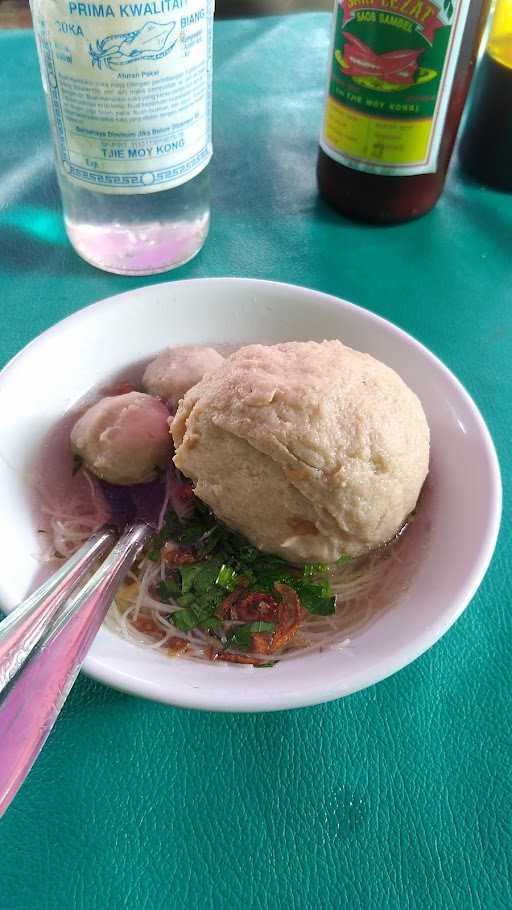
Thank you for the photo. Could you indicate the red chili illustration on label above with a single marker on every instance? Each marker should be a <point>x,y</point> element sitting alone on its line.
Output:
<point>394,66</point>
<point>388,72</point>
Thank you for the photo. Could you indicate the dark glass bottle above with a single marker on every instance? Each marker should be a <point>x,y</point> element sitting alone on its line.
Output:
<point>485,151</point>
<point>400,73</point>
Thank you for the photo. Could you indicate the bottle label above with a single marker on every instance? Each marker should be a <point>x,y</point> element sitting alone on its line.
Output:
<point>393,65</point>
<point>129,90</point>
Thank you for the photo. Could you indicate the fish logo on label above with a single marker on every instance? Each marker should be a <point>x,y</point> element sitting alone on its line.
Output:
<point>151,42</point>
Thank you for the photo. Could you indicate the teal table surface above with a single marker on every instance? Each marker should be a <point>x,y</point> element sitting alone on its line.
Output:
<point>396,797</point>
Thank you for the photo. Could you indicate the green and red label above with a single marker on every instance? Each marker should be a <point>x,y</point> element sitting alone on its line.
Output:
<point>393,64</point>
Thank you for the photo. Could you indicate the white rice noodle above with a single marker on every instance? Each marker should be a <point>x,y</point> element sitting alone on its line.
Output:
<point>73,518</point>
<point>364,588</point>
<point>361,589</point>
<point>165,504</point>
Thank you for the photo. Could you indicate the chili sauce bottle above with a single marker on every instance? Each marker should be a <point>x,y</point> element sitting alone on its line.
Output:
<point>485,151</point>
<point>398,79</point>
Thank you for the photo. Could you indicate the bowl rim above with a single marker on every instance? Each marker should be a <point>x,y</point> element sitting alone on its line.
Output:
<point>238,700</point>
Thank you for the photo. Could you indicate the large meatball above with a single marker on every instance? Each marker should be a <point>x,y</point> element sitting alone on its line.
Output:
<point>309,450</point>
<point>124,438</point>
<point>176,370</point>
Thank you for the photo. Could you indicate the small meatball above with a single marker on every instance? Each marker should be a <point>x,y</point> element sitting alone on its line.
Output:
<point>123,438</point>
<point>176,370</point>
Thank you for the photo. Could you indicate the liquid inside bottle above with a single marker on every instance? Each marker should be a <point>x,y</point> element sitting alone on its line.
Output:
<point>396,89</point>
<point>486,145</point>
<point>138,234</point>
<point>129,96</point>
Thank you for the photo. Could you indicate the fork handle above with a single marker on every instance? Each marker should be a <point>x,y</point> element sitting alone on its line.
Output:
<point>24,627</point>
<point>31,703</point>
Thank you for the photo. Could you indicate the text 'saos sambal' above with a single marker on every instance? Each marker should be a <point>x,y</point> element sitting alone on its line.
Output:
<point>399,75</point>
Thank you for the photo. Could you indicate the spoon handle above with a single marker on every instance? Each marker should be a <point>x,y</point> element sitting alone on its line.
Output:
<point>25,626</point>
<point>31,703</point>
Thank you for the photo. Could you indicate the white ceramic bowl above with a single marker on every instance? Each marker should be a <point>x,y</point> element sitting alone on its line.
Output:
<point>50,376</point>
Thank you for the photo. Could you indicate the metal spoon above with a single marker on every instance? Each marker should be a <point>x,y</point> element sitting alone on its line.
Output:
<point>30,704</point>
<point>43,646</point>
<point>24,627</point>
<point>30,620</point>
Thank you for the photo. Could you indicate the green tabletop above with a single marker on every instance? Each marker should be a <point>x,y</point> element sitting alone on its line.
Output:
<point>397,797</point>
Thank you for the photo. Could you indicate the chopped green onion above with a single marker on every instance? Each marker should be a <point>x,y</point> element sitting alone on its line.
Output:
<point>324,606</point>
<point>225,560</point>
<point>186,600</point>
<point>316,598</point>
<point>241,637</point>
<point>184,620</point>
<point>248,554</point>
<point>315,568</point>
<point>266,576</point>
<point>227,577</point>
<point>206,578</point>
<point>188,574</point>
<point>156,543</point>
<point>210,600</point>
<point>168,590</point>
<point>210,623</point>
